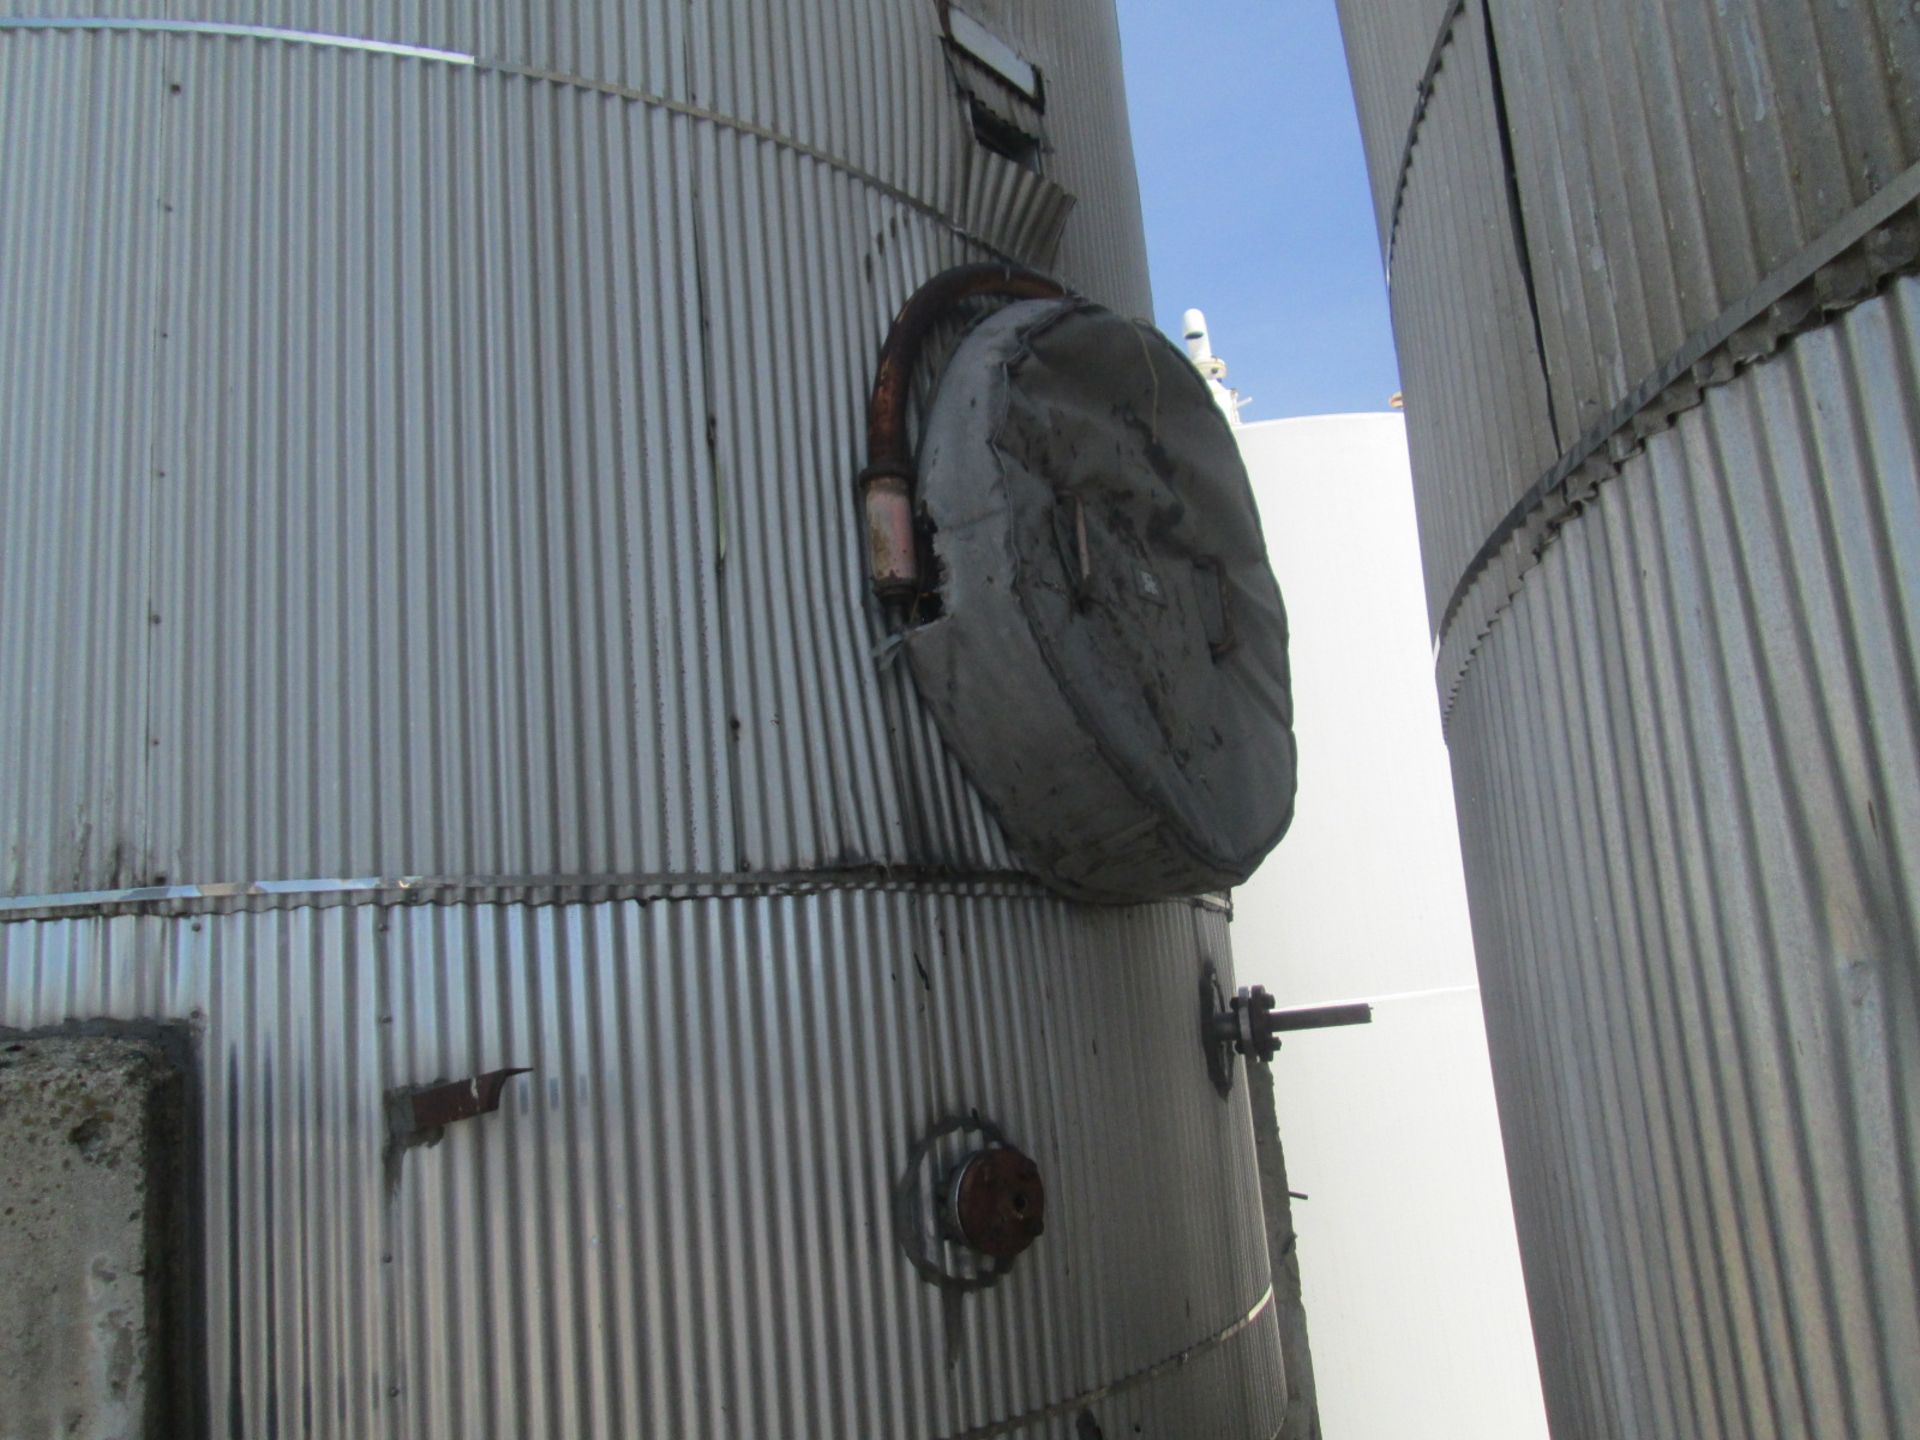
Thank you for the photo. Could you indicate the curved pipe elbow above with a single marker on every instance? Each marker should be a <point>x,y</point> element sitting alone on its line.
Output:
<point>887,482</point>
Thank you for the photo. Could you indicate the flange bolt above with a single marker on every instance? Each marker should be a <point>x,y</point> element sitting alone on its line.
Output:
<point>1251,1026</point>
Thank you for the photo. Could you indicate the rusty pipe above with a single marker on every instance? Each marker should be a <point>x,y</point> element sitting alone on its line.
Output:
<point>887,481</point>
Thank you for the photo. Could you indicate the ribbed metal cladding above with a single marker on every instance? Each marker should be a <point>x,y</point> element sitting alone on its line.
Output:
<point>862,81</point>
<point>1677,633</point>
<point>1478,406</point>
<point>1667,160</point>
<point>679,1223</point>
<point>416,467</point>
<point>1697,148</point>
<point>1390,48</point>
<point>1688,771</point>
<point>435,466</point>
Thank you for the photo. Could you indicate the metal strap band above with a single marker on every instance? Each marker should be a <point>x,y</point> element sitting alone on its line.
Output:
<point>553,889</point>
<point>1063,1408</point>
<point>244,32</point>
<point>1884,206</point>
<point>222,897</point>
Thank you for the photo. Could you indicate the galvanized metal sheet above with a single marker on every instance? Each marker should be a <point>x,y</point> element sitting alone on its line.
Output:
<point>1666,161</point>
<point>1478,414</point>
<point>1684,701</point>
<point>678,1223</point>
<point>1687,763</point>
<point>865,83</point>
<point>429,468</point>
<point>1673,156</point>
<point>474,489</point>
<point>75,503</point>
<point>1394,47</point>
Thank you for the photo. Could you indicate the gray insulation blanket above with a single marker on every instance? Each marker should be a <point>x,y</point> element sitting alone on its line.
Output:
<point>1110,664</point>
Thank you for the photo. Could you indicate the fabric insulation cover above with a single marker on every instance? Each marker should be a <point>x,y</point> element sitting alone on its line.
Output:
<point>1110,658</point>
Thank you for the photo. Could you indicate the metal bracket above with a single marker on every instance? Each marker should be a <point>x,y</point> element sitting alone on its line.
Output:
<point>420,1114</point>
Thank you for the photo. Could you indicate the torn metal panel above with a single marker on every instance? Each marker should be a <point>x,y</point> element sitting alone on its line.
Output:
<point>1847,265</point>
<point>1479,419</point>
<point>990,51</point>
<point>1675,156</point>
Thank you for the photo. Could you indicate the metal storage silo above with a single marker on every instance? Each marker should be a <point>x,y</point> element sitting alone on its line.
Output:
<point>1651,269</point>
<point>437,645</point>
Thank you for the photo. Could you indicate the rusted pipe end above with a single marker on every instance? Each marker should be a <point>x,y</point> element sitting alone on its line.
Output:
<point>893,549</point>
<point>887,482</point>
<point>999,1203</point>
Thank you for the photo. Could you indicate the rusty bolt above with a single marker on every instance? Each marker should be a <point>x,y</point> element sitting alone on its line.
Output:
<point>999,1202</point>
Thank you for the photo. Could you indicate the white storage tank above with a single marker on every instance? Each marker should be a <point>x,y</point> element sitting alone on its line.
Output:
<point>1411,1268</point>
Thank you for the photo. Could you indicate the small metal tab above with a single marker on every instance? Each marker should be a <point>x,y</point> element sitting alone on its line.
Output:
<point>419,1115</point>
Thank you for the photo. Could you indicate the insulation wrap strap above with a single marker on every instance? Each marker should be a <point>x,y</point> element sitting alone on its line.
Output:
<point>1126,1382</point>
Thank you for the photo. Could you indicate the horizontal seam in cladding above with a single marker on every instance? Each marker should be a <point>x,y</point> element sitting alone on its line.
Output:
<point>477,63</point>
<point>391,890</point>
<point>233,31</point>
<point>1085,1398</point>
<point>757,132</point>
<point>1423,93</point>
<point>1686,363</point>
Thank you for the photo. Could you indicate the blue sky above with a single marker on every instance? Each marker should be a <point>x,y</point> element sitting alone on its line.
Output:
<point>1255,192</point>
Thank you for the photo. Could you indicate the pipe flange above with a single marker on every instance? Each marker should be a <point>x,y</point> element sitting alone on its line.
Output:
<point>968,1204</point>
<point>1247,1024</point>
<point>996,1202</point>
<point>1217,1046</point>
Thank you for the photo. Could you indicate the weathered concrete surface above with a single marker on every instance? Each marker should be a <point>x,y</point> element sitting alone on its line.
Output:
<point>1303,1408</point>
<point>85,1125</point>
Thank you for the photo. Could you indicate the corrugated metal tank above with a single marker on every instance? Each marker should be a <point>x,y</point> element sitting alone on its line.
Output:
<point>435,640</point>
<point>1651,274</point>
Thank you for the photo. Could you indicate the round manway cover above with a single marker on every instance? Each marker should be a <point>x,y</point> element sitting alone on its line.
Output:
<point>1110,662</point>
